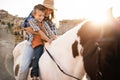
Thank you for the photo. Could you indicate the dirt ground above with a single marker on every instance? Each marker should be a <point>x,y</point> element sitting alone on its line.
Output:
<point>6,58</point>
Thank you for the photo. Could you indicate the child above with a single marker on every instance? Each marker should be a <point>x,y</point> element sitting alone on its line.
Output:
<point>35,22</point>
<point>36,38</point>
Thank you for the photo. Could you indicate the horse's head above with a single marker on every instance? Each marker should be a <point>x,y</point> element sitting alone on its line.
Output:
<point>100,51</point>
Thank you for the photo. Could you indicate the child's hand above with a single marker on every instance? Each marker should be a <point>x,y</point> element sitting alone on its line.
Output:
<point>49,41</point>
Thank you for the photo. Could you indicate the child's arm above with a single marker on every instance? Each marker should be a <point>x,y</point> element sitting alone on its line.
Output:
<point>29,29</point>
<point>43,36</point>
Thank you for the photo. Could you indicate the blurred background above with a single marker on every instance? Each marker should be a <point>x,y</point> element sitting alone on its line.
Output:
<point>69,13</point>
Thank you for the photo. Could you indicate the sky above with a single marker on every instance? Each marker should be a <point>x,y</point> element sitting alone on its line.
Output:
<point>66,9</point>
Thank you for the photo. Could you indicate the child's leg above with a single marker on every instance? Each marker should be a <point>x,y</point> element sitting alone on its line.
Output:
<point>38,51</point>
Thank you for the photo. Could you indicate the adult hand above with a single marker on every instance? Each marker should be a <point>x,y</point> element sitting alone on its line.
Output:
<point>53,37</point>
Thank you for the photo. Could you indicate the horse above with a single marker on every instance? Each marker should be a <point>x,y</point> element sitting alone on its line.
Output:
<point>87,51</point>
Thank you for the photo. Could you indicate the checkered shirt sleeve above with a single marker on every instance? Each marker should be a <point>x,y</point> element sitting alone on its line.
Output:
<point>49,32</point>
<point>34,24</point>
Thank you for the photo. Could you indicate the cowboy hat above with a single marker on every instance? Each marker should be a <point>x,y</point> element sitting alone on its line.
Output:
<point>49,4</point>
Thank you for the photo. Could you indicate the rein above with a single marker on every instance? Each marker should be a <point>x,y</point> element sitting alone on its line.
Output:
<point>99,74</point>
<point>97,50</point>
<point>60,67</point>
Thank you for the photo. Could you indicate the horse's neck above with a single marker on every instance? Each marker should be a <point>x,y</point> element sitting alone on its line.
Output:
<point>70,36</point>
<point>62,46</point>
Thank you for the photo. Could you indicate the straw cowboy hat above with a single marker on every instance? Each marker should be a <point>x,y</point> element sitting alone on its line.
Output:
<point>49,4</point>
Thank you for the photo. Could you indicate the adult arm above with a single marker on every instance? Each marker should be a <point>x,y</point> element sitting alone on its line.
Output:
<point>49,31</point>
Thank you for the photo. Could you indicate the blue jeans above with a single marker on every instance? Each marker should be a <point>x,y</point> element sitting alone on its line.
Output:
<point>38,51</point>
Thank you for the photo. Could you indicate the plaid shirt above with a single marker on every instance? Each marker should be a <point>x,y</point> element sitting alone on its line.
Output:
<point>26,24</point>
<point>30,21</point>
<point>51,25</point>
<point>47,29</point>
<point>34,25</point>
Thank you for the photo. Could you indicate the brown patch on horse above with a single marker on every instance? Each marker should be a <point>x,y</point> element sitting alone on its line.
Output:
<point>89,33</point>
<point>75,49</point>
<point>16,69</point>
